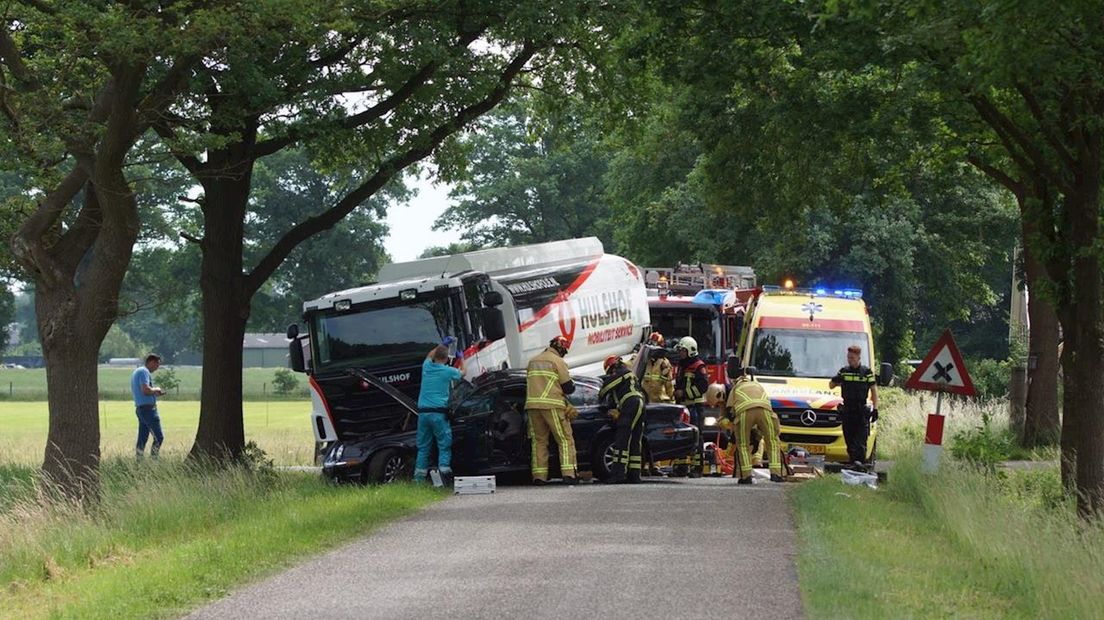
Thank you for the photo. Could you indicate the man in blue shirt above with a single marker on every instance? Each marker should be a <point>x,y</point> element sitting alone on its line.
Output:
<point>145,405</point>
<point>433,423</point>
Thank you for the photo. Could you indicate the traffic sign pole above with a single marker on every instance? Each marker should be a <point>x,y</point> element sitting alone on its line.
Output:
<point>933,438</point>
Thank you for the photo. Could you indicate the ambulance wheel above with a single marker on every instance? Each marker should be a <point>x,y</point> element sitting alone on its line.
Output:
<point>601,458</point>
<point>389,465</point>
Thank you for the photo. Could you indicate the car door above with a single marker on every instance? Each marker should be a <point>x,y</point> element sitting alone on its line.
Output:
<point>470,424</point>
<point>507,429</point>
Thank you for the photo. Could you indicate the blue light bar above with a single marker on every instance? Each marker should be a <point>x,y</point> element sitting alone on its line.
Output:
<point>821,291</point>
<point>714,297</point>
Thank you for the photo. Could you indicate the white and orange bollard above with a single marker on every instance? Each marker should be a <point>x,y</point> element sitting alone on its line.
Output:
<point>933,438</point>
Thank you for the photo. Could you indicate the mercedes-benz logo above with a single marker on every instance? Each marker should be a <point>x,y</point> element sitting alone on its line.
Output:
<point>808,417</point>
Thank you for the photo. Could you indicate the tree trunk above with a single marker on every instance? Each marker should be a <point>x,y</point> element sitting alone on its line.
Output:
<point>71,462</point>
<point>1088,321</point>
<point>221,432</point>
<point>1041,422</point>
<point>1068,443</point>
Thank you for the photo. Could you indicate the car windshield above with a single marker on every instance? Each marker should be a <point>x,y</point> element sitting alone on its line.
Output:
<point>675,323</point>
<point>803,352</point>
<point>385,335</point>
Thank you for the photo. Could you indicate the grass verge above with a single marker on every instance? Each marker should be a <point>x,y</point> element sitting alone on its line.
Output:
<point>168,537</point>
<point>967,544</point>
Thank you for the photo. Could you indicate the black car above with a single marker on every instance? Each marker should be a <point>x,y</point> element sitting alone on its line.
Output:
<point>490,435</point>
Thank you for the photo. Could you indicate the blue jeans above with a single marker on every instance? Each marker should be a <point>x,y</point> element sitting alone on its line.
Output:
<point>148,422</point>
<point>433,427</point>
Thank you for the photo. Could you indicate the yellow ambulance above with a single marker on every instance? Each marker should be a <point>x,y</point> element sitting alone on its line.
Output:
<point>797,340</point>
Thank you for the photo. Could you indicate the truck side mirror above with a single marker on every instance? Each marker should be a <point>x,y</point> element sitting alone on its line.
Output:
<point>885,375</point>
<point>494,326</point>
<point>734,368</point>
<point>295,353</point>
<point>492,299</point>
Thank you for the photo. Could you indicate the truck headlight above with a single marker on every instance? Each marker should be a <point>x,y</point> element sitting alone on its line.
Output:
<point>710,421</point>
<point>338,452</point>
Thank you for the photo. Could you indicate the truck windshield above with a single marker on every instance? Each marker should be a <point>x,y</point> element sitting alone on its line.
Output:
<point>388,334</point>
<point>700,324</point>
<point>804,352</point>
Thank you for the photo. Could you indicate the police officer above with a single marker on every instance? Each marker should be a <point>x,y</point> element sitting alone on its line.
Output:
<point>657,374</point>
<point>749,407</point>
<point>620,391</point>
<point>547,384</point>
<point>690,389</point>
<point>856,382</point>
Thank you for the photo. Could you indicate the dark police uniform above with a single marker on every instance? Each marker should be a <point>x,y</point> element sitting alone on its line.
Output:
<point>855,384</point>
<point>620,391</point>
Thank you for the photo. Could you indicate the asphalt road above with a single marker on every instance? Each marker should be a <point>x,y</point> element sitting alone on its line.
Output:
<point>666,549</point>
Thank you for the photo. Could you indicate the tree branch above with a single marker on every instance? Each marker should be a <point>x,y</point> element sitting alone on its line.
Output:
<point>10,57</point>
<point>1048,132</point>
<point>27,245</point>
<point>998,175</point>
<point>1026,155</point>
<point>384,173</point>
<point>373,113</point>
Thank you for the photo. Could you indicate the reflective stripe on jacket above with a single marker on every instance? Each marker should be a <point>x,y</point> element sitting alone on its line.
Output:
<point>544,377</point>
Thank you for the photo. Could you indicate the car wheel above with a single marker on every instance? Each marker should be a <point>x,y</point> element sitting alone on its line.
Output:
<point>389,465</point>
<point>601,459</point>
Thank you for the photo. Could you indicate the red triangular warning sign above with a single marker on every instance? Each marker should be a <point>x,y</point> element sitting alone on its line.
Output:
<point>942,370</point>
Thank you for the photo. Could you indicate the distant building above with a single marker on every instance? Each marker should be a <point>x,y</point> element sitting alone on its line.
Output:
<point>265,351</point>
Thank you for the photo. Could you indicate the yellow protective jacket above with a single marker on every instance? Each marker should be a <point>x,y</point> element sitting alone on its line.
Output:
<point>544,380</point>
<point>746,394</point>
<point>657,381</point>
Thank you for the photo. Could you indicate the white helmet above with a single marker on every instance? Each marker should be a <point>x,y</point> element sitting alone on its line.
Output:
<point>689,344</point>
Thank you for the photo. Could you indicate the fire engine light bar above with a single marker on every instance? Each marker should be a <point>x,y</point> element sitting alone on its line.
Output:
<point>408,294</point>
<point>342,305</point>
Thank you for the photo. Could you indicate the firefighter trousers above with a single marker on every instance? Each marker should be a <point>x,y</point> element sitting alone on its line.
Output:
<point>629,441</point>
<point>767,424</point>
<point>694,461</point>
<point>545,425</point>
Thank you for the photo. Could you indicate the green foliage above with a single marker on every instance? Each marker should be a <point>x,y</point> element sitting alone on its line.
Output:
<point>284,382</point>
<point>530,179</point>
<point>118,344</point>
<point>447,250</point>
<point>985,446</point>
<point>991,378</point>
<point>167,379</point>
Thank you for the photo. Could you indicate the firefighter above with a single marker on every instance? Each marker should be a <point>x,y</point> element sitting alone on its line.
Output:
<point>657,374</point>
<point>692,382</point>
<point>621,392</point>
<point>856,382</point>
<point>547,384</point>
<point>749,407</point>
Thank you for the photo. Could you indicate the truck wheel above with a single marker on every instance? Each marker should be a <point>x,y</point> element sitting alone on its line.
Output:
<point>601,457</point>
<point>389,465</point>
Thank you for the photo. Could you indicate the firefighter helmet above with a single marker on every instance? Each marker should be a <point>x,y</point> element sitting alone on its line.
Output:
<point>689,344</point>
<point>560,344</point>
<point>610,363</point>
<point>656,339</point>
<point>715,395</point>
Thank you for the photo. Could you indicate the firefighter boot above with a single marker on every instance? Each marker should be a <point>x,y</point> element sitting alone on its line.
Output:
<point>744,480</point>
<point>777,478</point>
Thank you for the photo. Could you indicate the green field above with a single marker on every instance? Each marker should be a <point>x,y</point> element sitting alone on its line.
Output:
<point>30,384</point>
<point>282,429</point>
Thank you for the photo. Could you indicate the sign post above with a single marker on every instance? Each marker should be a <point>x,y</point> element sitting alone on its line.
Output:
<point>941,371</point>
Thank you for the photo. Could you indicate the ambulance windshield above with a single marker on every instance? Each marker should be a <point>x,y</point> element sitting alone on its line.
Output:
<point>804,352</point>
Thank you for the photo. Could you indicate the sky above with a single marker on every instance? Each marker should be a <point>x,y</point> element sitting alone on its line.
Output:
<point>411,224</point>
